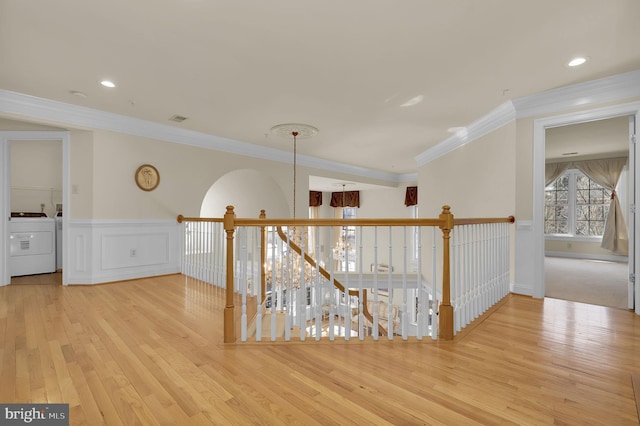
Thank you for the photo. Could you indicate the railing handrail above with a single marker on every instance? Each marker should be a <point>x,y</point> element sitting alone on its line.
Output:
<point>350,222</point>
<point>483,220</point>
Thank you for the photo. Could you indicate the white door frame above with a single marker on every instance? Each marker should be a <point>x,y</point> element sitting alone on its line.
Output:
<point>539,140</point>
<point>634,232</point>
<point>5,193</point>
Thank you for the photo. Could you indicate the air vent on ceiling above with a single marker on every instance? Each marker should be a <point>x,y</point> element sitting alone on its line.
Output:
<point>177,118</point>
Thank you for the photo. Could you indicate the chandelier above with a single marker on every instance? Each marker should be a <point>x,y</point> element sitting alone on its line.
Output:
<point>289,267</point>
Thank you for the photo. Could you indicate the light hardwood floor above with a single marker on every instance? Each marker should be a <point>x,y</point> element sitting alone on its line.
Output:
<point>150,352</point>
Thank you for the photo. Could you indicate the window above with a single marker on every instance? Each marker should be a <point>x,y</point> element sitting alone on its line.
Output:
<point>415,240</point>
<point>575,206</point>
<point>345,250</point>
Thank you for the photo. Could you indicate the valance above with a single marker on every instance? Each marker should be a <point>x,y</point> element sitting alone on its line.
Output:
<point>315,198</point>
<point>411,196</point>
<point>345,199</point>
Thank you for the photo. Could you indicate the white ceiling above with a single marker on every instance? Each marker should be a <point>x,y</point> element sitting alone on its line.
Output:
<point>237,68</point>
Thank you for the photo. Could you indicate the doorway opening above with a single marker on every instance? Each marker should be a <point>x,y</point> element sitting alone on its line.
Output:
<point>17,201</point>
<point>587,181</point>
<point>625,112</point>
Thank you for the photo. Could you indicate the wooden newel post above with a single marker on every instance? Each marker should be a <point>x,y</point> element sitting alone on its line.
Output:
<point>446,310</point>
<point>263,256</point>
<point>229,309</point>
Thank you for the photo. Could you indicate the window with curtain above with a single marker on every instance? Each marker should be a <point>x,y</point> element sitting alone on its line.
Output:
<point>575,206</point>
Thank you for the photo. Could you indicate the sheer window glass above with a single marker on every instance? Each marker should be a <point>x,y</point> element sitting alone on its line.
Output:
<point>575,206</point>
<point>415,240</point>
<point>349,235</point>
<point>311,231</point>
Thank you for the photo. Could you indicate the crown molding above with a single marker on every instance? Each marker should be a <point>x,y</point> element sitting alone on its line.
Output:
<point>496,118</point>
<point>608,89</point>
<point>60,113</point>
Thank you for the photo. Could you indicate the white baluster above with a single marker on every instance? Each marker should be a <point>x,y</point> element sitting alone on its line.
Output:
<point>242,280</point>
<point>404,326</point>
<point>276,296</point>
<point>434,287</point>
<point>360,289</point>
<point>375,331</point>
<point>390,288</point>
<point>303,288</point>
<point>422,294</point>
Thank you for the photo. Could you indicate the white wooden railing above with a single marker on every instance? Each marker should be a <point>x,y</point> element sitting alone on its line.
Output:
<point>399,286</point>
<point>480,268</point>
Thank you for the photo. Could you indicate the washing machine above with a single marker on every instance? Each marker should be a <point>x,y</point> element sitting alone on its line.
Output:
<point>32,246</point>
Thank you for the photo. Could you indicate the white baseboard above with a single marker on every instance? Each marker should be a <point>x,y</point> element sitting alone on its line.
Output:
<point>610,257</point>
<point>525,290</point>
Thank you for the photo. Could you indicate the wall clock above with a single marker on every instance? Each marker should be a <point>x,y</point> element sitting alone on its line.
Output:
<point>147,177</point>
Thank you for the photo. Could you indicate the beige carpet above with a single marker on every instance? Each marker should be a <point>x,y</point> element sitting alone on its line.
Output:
<point>589,281</point>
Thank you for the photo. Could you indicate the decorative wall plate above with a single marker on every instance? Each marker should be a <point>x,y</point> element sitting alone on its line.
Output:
<point>147,177</point>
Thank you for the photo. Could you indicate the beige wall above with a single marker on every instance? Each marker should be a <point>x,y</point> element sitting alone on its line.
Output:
<point>81,174</point>
<point>476,180</point>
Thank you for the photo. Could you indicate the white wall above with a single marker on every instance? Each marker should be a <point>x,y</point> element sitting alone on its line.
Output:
<point>248,191</point>
<point>36,176</point>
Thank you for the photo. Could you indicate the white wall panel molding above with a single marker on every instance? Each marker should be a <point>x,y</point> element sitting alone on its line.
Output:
<point>62,114</point>
<point>524,274</point>
<point>114,250</point>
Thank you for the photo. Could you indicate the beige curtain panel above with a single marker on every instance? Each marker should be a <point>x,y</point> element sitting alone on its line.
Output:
<point>553,171</point>
<point>606,173</point>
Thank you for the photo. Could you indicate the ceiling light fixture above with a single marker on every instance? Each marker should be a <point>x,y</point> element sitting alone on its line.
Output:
<point>577,61</point>
<point>78,93</point>
<point>296,130</point>
<point>108,83</point>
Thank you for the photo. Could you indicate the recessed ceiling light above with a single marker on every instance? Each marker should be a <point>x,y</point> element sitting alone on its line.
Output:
<point>78,93</point>
<point>577,61</point>
<point>108,83</point>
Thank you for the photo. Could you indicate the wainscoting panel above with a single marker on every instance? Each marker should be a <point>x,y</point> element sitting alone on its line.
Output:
<point>524,274</point>
<point>114,250</point>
